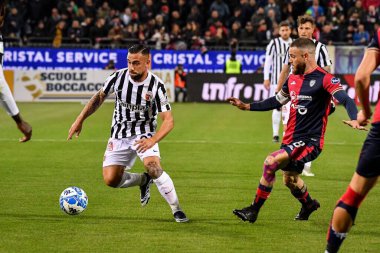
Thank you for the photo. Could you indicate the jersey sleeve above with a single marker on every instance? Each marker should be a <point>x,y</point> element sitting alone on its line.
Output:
<point>162,100</point>
<point>331,84</point>
<point>286,58</point>
<point>109,84</point>
<point>323,57</point>
<point>268,59</point>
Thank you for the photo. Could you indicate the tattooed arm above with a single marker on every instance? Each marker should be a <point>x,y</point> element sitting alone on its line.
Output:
<point>95,102</point>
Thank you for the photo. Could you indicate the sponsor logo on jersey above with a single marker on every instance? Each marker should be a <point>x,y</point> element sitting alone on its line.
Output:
<point>312,82</point>
<point>335,80</point>
<point>132,107</point>
<point>292,83</point>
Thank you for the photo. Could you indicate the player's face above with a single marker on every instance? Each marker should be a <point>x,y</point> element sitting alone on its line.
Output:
<point>138,65</point>
<point>306,30</point>
<point>285,32</point>
<point>297,58</point>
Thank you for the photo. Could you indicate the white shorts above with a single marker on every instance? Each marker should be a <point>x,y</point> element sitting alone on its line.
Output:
<point>123,151</point>
<point>285,113</point>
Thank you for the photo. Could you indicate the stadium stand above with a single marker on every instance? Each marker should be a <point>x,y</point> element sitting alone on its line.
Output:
<point>180,24</point>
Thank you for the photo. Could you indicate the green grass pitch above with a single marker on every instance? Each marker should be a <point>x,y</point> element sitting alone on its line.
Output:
<point>214,156</point>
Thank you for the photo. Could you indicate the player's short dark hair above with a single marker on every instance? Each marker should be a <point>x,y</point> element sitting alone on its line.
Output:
<point>138,48</point>
<point>305,19</point>
<point>304,43</point>
<point>284,23</point>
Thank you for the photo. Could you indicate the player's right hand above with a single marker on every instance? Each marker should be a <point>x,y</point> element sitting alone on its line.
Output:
<point>236,102</point>
<point>76,127</point>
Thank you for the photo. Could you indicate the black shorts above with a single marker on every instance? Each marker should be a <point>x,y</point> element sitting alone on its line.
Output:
<point>369,160</point>
<point>300,152</point>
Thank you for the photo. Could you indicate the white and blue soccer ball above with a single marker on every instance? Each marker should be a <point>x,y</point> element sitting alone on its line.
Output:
<point>73,200</point>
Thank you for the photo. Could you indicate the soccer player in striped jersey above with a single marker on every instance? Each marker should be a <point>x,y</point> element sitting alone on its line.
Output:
<point>6,99</point>
<point>306,26</point>
<point>139,97</point>
<point>274,57</point>
<point>368,169</point>
<point>310,89</point>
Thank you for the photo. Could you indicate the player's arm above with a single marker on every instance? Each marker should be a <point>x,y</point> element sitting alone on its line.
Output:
<point>271,103</point>
<point>285,71</point>
<point>267,64</point>
<point>166,126</point>
<point>369,63</point>
<point>351,109</point>
<point>95,102</point>
<point>327,68</point>
<point>324,59</point>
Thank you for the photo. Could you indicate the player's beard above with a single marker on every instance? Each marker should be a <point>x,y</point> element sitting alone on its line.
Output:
<point>300,69</point>
<point>137,77</point>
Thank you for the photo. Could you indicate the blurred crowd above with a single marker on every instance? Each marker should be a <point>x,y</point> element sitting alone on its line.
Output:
<point>181,24</point>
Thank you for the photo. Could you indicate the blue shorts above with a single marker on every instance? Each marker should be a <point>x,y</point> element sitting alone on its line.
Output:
<point>369,160</point>
<point>300,152</point>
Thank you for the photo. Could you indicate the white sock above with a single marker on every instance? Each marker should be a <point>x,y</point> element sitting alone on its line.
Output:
<point>307,166</point>
<point>166,188</point>
<point>131,179</point>
<point>276,120</point>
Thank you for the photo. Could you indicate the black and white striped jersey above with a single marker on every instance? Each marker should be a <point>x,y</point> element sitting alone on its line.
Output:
<point>321,55</point>
<point>1,50</point>
<point>274,57</point>
<point>136,104</point>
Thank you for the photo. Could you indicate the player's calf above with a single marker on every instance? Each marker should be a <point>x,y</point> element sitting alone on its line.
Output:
<point>343,218</point>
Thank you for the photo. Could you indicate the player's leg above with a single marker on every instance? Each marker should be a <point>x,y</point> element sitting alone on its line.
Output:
<point>272,163</point>
<point>118,158</point>
<point>346,209</point>
<point>307,170</point>
<point>276,117</point>
<point>164,185</point>
<point>8,103</point>
<point>285,111</point>
<point>365,177</point>
<point>300,152</point>
<point>299,190</point>
<point>276,120</point>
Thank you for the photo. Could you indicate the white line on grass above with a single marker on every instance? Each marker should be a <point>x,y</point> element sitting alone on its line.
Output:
<point>177,141</point>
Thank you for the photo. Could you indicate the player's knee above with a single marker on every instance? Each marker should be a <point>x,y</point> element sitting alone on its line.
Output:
<point>154,169</point>
<point>111,178</point>
<point>270,168</point>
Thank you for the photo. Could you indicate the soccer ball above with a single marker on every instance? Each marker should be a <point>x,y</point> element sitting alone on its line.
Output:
<point>73,200</point>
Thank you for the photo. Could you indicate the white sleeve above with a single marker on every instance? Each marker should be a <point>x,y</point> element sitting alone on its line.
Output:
<point>6,99</point>
<point>323,57</point>
<point>162,100</point>
<point>108,86</point>
<point>268,59</point>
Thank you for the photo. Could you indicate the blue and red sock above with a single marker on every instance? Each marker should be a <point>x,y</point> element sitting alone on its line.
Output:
<point>262,194</point>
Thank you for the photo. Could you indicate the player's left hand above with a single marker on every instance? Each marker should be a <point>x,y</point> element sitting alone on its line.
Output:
<point>144,144</point>
<point>354,124</point>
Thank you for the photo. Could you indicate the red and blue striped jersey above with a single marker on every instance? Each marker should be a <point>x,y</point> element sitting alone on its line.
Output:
<point>375,43</point>
<point>310,96</point>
